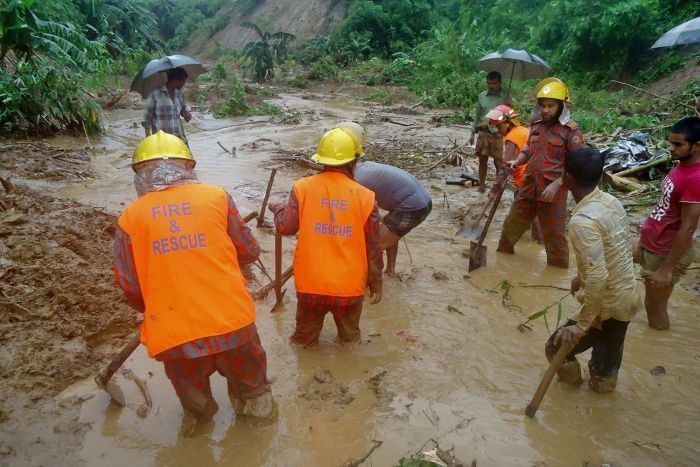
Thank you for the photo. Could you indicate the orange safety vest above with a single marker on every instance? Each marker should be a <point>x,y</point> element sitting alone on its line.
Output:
<point>518,136</point>
<point>187,266</point>
<point>331,256</point>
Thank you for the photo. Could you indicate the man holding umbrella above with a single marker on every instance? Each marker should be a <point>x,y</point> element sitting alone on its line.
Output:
<point>161,82</point>
<point>489,143</point>
<point>166,105</point>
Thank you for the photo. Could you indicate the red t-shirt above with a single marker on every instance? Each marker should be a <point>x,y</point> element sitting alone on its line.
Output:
<point>681,185</point>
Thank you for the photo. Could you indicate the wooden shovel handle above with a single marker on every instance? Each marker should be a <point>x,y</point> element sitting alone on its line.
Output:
<point>250,217</point>
<point>496,201</point>
<point>118,360</point>
<point>554,365</point>
<point>261,218</point>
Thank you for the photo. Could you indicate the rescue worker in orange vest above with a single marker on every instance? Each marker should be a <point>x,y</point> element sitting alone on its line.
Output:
<point>177,255</point>
<point>515,136</point>
<point>541,194</point>
<point>338,249</point>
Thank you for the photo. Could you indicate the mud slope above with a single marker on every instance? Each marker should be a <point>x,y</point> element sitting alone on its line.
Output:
<point>303,18</point>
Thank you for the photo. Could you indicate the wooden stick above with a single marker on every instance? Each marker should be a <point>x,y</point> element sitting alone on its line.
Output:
<point>652,94</point>
<point>278,267</point>
<point>118,360</point>
<point>264,290</point>
<point>663,160</point>
<point>222,147</point>
<point>261,217</point>
<point>554,365</point>
<point>250,217</point>
<point>442,159</point>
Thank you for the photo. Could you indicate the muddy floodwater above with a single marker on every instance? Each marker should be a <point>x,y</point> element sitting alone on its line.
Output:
<point>461,376</point>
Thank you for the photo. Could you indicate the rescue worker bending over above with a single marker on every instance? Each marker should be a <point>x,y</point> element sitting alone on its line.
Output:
<point>397,191</point>
<point>338,250</point>
<point>177,255</point>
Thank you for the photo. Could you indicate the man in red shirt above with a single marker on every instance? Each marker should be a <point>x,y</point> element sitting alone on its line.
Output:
<point>666,237</point>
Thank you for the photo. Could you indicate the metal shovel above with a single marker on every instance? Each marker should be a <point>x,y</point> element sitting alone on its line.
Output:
<point>471,228</point>
<point>477,250</point>
<point>103,377</point>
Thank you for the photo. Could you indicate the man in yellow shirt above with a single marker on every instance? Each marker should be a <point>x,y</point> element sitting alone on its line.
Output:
<point>605,282</point>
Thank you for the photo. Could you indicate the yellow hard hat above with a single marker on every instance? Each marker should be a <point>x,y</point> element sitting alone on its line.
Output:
<point>357,132</point>
<point>553,88</point>
<point>337,147</point>
<point>160,145</point>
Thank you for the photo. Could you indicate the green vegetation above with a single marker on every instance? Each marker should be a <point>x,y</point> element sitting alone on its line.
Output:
<point>268,50</point>
<point>45,60</point>
<point>54,56</point>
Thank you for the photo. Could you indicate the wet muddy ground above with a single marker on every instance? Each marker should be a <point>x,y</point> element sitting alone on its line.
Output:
<point>441,356</point>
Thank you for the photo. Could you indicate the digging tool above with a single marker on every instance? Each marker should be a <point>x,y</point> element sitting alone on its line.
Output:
<point>279,293</point>
<point>471,228</point>
<point>103,377</point>
<point>477,250</point>
<point>554,365</point>
<point>261,293</point>
<point>250,217</point>
<point>261,217</point>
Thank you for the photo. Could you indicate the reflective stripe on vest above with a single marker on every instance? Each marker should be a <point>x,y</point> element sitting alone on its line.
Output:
<point>518,136</point>
<point>187,266</point>
<point>331,256</point>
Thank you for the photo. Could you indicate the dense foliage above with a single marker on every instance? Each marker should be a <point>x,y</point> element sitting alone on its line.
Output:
<point>51,52</point>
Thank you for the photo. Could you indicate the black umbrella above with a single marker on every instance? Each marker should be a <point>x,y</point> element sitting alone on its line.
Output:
<point>519,64</point>
<point>684,34</point>
<point>154,74</point>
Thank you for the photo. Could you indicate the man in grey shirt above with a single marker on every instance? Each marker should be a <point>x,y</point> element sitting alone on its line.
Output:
<point>400,193</point>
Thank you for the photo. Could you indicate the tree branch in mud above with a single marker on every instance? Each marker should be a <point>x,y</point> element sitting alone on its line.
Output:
<point>357,462</point>
<point>7,185</point>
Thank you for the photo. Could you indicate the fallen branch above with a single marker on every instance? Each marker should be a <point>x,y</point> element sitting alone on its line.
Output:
<point>222,147</point>
<point>144,391</point>
<point>655,95</point>
<point>7,185</point>
<point>357,462</point>
<point>632,170</point>
<point>449,154</point>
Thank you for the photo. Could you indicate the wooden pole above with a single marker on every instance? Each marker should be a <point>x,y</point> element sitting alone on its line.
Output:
<point>554,365</point>
<point>261,217</point>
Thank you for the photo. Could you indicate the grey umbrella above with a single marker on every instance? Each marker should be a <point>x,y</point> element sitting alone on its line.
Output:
<point>684,34</point>
<point>519,64</point>
<point>153,74</point>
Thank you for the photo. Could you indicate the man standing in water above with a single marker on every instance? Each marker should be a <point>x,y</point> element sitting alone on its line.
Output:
<point>605,282</point>
<point>166,105</point>
<point>397,192</point>
<point>541,194</point>
<point>666,238</point>
<point>489,143</point>
<point>177,252</point>
<point>338,251</point>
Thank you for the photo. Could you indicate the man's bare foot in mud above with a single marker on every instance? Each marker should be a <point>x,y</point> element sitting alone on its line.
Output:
<point>261,410</point>
<point>390,272</point>
<point>191,426</point>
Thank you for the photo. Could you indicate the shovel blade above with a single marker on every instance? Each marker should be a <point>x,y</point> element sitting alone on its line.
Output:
<point>113,390</point>
<point>469,230</point>
<point>477,256</point>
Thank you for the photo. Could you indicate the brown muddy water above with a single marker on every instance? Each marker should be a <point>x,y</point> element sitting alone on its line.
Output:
<point>421,371</point>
